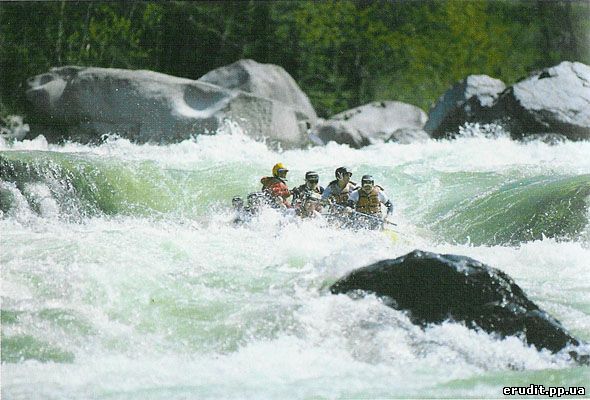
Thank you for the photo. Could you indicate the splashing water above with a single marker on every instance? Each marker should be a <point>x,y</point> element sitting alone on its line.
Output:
<point>123,277</point>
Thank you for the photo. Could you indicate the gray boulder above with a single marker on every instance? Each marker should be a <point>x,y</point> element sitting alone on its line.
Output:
<point>553,101</point>
<point>12,127</point>
<point>82,104</point>
<point>373,122</point>
<point>262,80</point>
<point>466,101</point>
<point>408,135</point>
<point>379,119</point>
<point>338,131</point>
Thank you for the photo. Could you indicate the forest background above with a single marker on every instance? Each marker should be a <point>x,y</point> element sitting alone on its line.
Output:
<point>342,53</point>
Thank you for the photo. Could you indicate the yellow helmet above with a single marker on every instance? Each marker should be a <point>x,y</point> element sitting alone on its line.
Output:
<point>279,167</point>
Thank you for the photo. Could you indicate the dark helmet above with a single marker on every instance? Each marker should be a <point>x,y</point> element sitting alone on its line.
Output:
<point>341,171</point>
<point>367,179</point>
<point>312,176</point>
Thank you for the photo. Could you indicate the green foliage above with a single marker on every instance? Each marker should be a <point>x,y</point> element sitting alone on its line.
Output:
<point>342,53</point>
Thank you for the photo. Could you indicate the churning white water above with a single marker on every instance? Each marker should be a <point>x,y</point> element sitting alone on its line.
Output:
<point>124,278</point>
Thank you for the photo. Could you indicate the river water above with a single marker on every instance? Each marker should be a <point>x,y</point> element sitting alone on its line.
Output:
<point>123,277</point>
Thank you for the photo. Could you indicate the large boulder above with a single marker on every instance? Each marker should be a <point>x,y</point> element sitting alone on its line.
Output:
<point>83,104</point>
<point>408,136</point>
<point>435,287</point>
<point>373,122</point>
<point>262,80</point>
<point>379,119</point>
<point>555,100</point>
<point>338,131</point>
<point>466,101</point>
<point>12,127</point>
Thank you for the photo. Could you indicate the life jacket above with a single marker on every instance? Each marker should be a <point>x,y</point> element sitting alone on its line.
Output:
<point>276,187</point>
<point>300,191</point>
<point>305,206</point>
<point>341,195</point>
<point>369,203</point>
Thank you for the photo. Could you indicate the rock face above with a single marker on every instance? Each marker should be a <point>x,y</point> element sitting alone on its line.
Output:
<point>408,135</point>
<point>371,122</point>
<point>338,131</point>
<point>83,104</point>
<point>12,127</point>
<point>262,80</point>
<point>378,120</point>
<point>554,101</point>
<point>466,101</point>
<point>434,287</point>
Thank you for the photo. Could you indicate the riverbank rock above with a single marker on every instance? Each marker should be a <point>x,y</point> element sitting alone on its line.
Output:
<point>553,101</point>
<point>12,127</point>
<point>262,80</point>
<point>373,122</point>
<point>467,101</point>
<point>408,135</point>
<point>338,131</point>
<point>82,104</point>
<point>433,288</point>
<point>379,119</point>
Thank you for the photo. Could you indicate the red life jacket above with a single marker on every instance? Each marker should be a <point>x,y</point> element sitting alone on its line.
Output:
<point>276,187</point>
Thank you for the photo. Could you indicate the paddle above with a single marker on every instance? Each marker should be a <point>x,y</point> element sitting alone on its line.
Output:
<point>363,215</point>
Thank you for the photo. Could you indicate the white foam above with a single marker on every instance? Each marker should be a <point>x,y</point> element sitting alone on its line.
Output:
<point>203,309</point>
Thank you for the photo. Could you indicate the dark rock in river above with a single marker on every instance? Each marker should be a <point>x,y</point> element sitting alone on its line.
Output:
<point>434,288</point>
<point>83,104</point>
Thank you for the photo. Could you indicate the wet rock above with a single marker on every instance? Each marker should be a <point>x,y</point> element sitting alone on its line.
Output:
<point>434,287</point>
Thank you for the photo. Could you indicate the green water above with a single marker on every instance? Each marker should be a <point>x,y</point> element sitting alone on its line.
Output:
<point>123,277</point>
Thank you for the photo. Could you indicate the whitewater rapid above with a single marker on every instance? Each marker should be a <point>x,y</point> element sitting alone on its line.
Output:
<point>123,277</point>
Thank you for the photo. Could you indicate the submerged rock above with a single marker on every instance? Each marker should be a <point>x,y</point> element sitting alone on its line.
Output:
<point>434,288</point>
<point>82,104</point>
